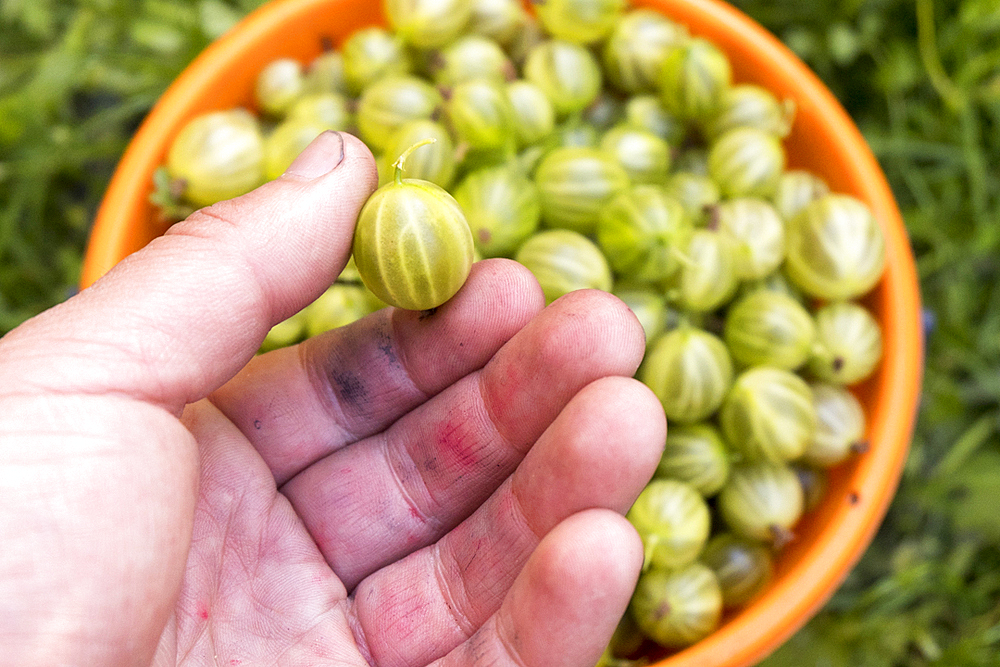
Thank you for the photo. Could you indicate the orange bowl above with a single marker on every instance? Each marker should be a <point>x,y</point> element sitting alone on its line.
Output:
<point>832,537</point>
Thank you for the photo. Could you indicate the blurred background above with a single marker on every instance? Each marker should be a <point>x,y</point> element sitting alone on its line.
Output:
<point>921,78</point>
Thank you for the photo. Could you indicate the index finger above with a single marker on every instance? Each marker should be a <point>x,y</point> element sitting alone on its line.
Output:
<point>299,404</point>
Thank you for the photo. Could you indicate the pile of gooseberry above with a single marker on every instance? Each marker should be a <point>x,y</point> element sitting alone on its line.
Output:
<point>605,147</point>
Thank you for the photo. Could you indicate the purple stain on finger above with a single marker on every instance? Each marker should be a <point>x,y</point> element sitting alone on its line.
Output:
<point>350,388</point>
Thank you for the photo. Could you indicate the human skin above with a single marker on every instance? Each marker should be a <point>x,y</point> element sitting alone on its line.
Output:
<point>409,490</point>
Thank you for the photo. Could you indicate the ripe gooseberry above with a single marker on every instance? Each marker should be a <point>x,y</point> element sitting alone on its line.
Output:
<point>412,244</point>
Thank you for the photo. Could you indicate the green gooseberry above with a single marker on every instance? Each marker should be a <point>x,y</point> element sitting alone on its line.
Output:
<point>848,343</point>
<point>768,415</point>
<point>339,305</point>
<point>626,640</point>
<point>673,520</point>
<point>648,305</point>
<point>796,188</point>
<point>762,501</point>
<point>743,567</point>
<point>325,74</point>
<point>575,184</point>
<point>472,57</point>
<point>707,280</point>
<point>434,162</point>
<point>428,24</point>
<point>329,110</point>
<point>534,117</point>
<point>390,103</point>
<point>278,85</point>
<point>580,21</point>
<point>217,155</point>
<point>840,426</point>
<point>567,73</point>
<point>644,156</point>
<point>564,261</point>
<point>636,48</point>
<point>746,162</point>
<point>500,20</point>
<point>750,105</point>
<point>696,193</point>
<point>647,112</point>
<point>573,133</point>
<point>676,608</point>
<point>481,114</point>
<point>690,371</point>
<point>776,281</point>
<point>284,144</point>
<point>758,232</point>
<point>471,159</point>
<point>693,77</point>
<point>641,231</point>
<point>836,249</point>
<point>370,54</point>
<point>697,455</point>
<point>765,328</point>
<point>412,243</point>
<point>502,207</point>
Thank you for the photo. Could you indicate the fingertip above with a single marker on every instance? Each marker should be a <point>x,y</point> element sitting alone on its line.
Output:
<point>329,152</point>
<point>615,321</point>
<point>595,549</point>
<point>635,418</point>
<point>573,590</point>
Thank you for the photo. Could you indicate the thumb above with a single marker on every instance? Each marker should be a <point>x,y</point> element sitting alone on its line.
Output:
<point>175,320</point>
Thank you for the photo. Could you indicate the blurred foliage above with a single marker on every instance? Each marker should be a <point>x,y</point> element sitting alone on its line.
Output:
<point>76,78</point>
<point>920,77</point>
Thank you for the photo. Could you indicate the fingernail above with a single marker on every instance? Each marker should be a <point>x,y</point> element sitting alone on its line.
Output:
<point>320,157</point>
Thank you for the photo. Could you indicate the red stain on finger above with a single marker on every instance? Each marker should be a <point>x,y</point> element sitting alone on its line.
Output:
<point>456,445</point>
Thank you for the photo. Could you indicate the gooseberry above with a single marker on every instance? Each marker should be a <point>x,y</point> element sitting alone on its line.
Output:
<point>673,520</point>
<point>563,261</point>
<point>676,608</point>
<point>412,243</point>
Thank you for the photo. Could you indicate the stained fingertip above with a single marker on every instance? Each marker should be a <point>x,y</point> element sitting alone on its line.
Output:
<point>580,337</point>
<point>612,320</point>
<point>601,450</point>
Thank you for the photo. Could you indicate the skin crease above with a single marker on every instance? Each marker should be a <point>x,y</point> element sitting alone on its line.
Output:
<point>442,490</point>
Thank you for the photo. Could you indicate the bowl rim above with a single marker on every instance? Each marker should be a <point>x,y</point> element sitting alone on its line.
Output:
<point>772,619</point>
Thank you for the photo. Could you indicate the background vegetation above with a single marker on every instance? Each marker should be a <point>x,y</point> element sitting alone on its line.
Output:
<point>920,77</point>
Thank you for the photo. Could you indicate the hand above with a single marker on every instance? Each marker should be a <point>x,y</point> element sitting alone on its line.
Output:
<point>407,490</point>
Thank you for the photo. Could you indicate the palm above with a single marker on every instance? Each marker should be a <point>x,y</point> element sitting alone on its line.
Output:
<point>419,500</point>
<point>256,589</point>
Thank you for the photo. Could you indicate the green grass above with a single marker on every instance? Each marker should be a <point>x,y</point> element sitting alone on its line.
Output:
<point>920,77</point>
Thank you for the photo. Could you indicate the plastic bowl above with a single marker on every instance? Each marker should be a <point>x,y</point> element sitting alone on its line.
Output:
<point>831,538</point>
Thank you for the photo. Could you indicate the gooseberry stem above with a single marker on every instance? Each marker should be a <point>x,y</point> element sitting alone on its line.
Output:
<point>400,161</point>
